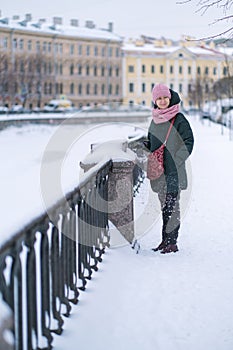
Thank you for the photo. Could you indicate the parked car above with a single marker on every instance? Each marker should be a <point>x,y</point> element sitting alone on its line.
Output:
<point>205,115</point>
<point>4,110</point>
<point>227,118</point>
<point>58,106</point>
<point>16,109</point>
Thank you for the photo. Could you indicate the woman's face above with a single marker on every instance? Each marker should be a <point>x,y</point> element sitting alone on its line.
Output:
<point>162,102</point>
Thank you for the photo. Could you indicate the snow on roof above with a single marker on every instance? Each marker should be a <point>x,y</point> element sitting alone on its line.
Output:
<point>196,50</point>
<point>226,50</point>
<point>149,48</point>
<point>201,50</point>
<point>67,30</point>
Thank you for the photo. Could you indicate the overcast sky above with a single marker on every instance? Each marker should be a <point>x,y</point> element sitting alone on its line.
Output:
<point>131,18</point>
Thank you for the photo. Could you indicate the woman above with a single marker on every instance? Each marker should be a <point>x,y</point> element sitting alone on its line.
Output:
<point>178,148</point>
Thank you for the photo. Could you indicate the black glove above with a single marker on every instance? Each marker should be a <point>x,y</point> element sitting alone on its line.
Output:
<point>146,143</point>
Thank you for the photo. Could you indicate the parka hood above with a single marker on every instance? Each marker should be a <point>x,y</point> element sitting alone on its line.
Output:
<point>175,98</point>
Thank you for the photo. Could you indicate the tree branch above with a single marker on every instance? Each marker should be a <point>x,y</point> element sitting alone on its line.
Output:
<point>212,36</point>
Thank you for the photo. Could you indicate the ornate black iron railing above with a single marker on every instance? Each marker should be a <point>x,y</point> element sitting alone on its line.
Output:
<point>44,265</point>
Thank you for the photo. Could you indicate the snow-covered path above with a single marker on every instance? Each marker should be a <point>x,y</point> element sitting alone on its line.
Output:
<point>181,301</point>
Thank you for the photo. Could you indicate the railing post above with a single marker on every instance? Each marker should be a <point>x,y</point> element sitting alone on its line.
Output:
<point>120,198</point>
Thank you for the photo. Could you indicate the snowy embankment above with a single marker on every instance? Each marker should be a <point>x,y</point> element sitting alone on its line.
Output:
<point>147,301</point>
<point>175,301</point>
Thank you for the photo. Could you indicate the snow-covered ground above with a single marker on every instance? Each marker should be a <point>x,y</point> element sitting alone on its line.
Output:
<point>176,301</point>
<point>181,301</point>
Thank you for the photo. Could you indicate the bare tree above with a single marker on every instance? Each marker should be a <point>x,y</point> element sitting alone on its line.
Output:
<point>223,5</point>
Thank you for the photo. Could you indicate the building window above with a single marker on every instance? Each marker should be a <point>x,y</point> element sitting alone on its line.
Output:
<point>95,89</point>
<point>103,89</point>
<point>21,67</point>
<point>88,50</point>
<point>131,87</point>
<point>161,69</point>
<point>30,66</point>
<point>5,65</point>
<point>29,45</point>
<point>117,89</point>
<point>110,71</point>
<point>180,88</point>
<point>180,69</point>
<point>50,67</point>
<point>143,87</point>
<point>45,68</point>
<point>38,68</point>
<point>171,70</point>
<point>15,44</point>
<point>80,49</point>
<point>95,71</point>
<point>189,70</point>
<point>171,86</point>
<point>117,52</point>
<point>79,69</point>
<point>143,68</point>
<point>57,88</point>
<point>37,46</point>
<point>49,47</point>
<point>87,70</point>
<point>117,72</point>
<point>102,71</point>
<point>110,52</point>
<point>96,50</point>
<point>152,69</point>
<point>131,69</point>
<point>21,44</point>
<point>88,89</point>
<point>80,89</point>
<point>110,89</point>
<point>224,71</point>
<point>5,43</point>
<point>15,88</point>
<point>103,51</point>
<point>71,49</point>
<point>206,70</point>
<point>72,69</point>
<point>214,71</point>
<point>189,88</point>
<point>206,88</point>
<point>72,88</point>
<point>198,70</point>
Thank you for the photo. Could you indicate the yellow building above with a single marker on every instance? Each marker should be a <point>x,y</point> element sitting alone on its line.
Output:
<point>189,68</point>
<point>40,61</point>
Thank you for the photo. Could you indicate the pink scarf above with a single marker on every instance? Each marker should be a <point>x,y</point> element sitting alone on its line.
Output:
<point>163,115</point>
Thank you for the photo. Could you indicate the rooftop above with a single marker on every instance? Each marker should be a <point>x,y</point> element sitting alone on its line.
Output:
<point>57,27</point>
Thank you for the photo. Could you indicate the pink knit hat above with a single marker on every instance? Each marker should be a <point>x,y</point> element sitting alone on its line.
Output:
<point>160,90</point>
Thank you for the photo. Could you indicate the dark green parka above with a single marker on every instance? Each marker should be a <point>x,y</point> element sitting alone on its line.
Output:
<point>179,147</point>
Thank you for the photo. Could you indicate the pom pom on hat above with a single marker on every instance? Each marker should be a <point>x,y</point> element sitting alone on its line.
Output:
<point>160,90</point>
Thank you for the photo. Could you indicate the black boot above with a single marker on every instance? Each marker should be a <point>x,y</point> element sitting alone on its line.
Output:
<point>161,246</point>
<point>170,248</point>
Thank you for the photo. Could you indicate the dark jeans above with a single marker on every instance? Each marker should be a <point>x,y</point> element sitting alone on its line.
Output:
<point>170,207</point>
